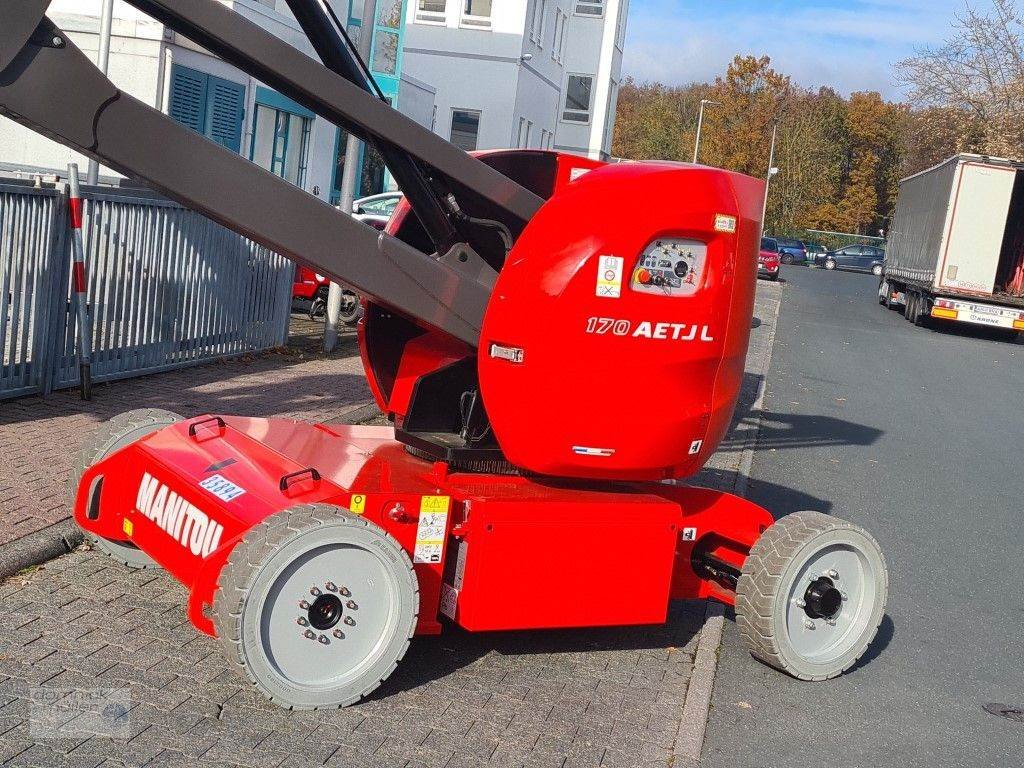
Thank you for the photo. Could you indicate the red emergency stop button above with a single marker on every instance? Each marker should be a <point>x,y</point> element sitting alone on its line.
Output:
<point>643,276</point>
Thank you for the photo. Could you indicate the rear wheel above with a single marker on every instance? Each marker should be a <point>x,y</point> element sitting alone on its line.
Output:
<point>786,258</point>
<point>110,437</point>
<point>877,270</point>
<point>316,606</point>
<point>811,595</point>
<point>883,292</point>
<point>830,264</point>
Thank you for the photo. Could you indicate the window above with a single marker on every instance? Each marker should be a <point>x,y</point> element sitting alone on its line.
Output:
<point>208,105</point>
<point>280,137</point>
<point>430,11</point>
<point>476,13</point>
<point>540,10</point>
<point>558,36</point>
<point>590,7</point>
<point>578,95</point>
<point>465,128</point>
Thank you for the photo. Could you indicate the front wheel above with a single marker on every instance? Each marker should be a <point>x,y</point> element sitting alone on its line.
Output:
<point>811,595</point>
<point>877,270</point>
<point>786,259</point>
<point>316,606</point>
<point>351,307</point>
<point>829,264</point>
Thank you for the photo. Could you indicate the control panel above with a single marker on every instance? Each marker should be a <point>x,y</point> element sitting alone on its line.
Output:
<point>670,267</point>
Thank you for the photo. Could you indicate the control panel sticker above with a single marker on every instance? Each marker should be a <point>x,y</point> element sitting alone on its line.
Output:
<point>670,267</point>
<point>431,529</point>
<point>609,277</point>
<point>689,534</point>
<point>725,223</point>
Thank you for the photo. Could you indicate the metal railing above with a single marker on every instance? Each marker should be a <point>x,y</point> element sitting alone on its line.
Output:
<point>167,288</point>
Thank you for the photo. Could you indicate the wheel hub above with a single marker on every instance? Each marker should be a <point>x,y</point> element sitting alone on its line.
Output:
<point>325,612</point>
<point>822,600</point>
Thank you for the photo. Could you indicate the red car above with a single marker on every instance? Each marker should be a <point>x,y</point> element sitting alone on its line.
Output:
<point>768,259</point>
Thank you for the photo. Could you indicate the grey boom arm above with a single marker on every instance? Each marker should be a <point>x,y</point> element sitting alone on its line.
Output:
<point>49,85</point>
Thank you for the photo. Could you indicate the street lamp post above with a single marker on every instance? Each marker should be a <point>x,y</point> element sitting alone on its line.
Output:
<point>700,124</point>
<point>772,170</point>
<point>92,175</point>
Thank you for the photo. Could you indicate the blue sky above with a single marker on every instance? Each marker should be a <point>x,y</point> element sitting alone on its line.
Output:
<point>849,46</point>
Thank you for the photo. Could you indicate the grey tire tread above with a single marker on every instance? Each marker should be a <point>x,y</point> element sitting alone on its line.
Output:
<point>761,578</point>
<point>106,438</point>
<point>244,564</point>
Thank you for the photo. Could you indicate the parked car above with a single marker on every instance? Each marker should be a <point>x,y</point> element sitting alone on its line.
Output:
<point>814,251</point>
<point>768,259</point>
<point>377,205</point>
<point>856,258</point>
<point>791,251</point>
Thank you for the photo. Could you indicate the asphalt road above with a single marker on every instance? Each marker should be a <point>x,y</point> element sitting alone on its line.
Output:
<point>915,434</point>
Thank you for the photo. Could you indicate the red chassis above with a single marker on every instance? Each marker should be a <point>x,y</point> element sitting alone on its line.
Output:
<point>580,543</point>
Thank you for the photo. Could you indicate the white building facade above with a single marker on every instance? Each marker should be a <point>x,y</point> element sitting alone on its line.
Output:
<point>520,73</point>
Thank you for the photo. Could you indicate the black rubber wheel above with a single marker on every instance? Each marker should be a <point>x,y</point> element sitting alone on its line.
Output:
<point>786,259</point>
<point>811,595</point>
<point>108,438</point>
<point>316,606</point>
<point>351,307</point>
<point>829,264</point>
<point>910,309</point>
<point>877,270</point>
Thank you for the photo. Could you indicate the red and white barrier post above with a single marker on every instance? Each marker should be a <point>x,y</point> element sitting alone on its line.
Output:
<point>79,284</point>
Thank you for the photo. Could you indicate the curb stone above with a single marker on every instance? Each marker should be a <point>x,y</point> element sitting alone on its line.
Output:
<point>697,705</point>
<point>39,547</point>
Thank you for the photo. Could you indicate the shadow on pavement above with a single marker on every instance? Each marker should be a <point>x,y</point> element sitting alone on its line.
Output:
<point>433,658</point>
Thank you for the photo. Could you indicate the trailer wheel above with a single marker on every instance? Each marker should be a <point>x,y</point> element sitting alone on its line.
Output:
<point>811,595</point>
<point>111,436</point>
<point>883,292</point>
<point>316,606</point>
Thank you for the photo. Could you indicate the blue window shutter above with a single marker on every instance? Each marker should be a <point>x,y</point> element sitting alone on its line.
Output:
<point>188,97</point>
<point>225,108</point>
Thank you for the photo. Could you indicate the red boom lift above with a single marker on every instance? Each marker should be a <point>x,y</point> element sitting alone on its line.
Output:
<point>552,369</point>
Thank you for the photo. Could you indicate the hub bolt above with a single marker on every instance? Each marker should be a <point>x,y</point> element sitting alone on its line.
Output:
<point>331,587</point>
<point>339,634</point>
<point>809,624</point>
<point>799,603</point>
<point>351,605</point>
<point>350,621</point>
<point>315,591</point>
<point>310,634</point>
<point>832,573</point>
<point>343,591</point>
<point>302,622</point>
<point>844,595</point>
<point>304,605</point>
<point>324,640</point>
<point>830,622</point>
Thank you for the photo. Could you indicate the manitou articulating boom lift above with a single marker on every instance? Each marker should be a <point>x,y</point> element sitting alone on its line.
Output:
<point>550,363</point>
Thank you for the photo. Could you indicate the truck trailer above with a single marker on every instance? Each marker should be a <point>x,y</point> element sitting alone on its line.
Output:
<point>956,249</point>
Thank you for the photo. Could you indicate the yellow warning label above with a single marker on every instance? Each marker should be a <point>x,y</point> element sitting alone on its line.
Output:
<point>128,527</point>
<point>358,503</point>
<point>434,504</point>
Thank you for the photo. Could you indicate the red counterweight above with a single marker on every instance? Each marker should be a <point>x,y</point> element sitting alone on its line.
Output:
<point>623,333</point>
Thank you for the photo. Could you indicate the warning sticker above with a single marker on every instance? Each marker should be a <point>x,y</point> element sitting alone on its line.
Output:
<point>449,600</point>
<point>609,277</point>
<point>357,503</point>
<point>128,526</point>
<point>431,529</point>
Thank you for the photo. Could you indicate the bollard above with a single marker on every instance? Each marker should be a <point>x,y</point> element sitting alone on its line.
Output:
<point>79,285</point>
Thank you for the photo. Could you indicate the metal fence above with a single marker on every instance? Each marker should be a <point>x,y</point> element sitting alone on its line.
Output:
<point>166,288</point>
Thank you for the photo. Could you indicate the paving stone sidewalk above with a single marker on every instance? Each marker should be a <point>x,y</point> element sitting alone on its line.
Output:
<point>160,694</point>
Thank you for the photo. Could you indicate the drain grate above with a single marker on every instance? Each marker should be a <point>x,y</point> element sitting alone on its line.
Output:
<point>1013,714</point>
